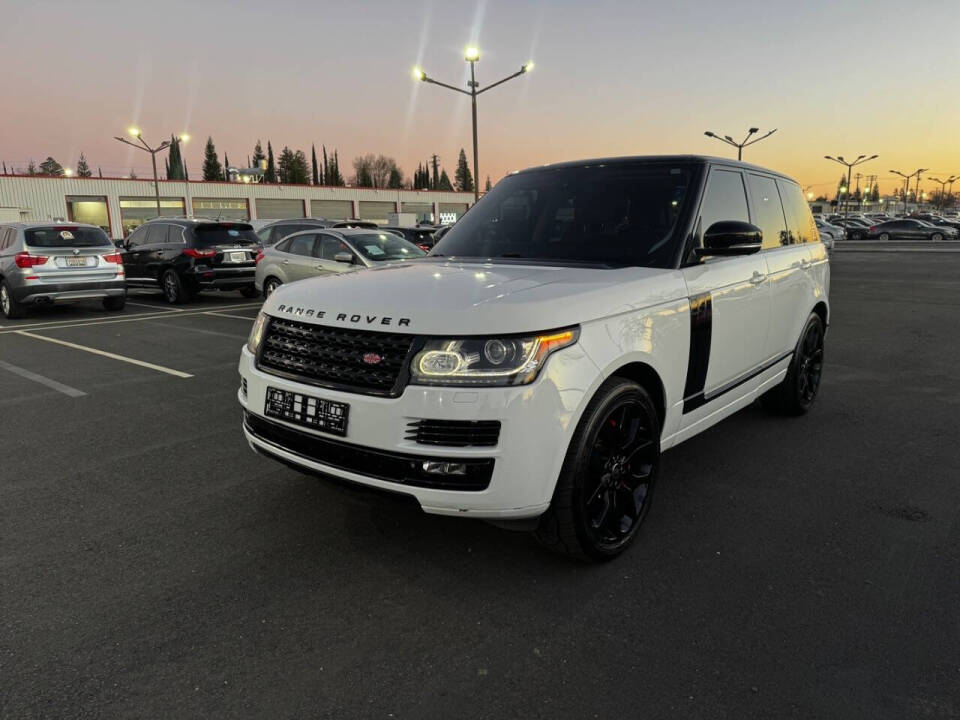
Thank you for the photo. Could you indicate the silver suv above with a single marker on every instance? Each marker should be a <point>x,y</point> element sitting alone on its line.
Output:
<point>326,251</point>
<point>47,263</point>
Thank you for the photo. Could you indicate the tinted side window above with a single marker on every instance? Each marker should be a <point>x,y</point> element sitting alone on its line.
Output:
<point>174,234</point>
<point>156,234</point>
<point>302,245</point>
<point>768,210</point>
<point>801,227</point>
<point>329,246</point>
<point>137,237</point>
<point>725,199</point>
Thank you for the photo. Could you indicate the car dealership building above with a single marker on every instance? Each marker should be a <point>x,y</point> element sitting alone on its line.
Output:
<point>120,205</point>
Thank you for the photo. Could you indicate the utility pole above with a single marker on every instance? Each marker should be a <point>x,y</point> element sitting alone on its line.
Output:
<point>435,161</point>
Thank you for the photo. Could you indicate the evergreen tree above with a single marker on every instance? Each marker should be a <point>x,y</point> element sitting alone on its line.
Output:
<point>487,186</point>
<point>463,177</point>
<point>435,183</point>
<point>51,167</point>
<point>313,165</point>
<point>100,173</point>
<point>226,164</point>
<point>875,193</point>
<point>270,176</point>
<point>175,164</point>
<point>284,165</point>
<point>166,166</point>
<point>395,182</point>
<point>444,182</point>
<point>5,167</point>
<point>257,154</point>
<point>83,170</point>
<point>299,170</point>
<point>326,167</point>
<point>212,169</point>
<point>335,178</point>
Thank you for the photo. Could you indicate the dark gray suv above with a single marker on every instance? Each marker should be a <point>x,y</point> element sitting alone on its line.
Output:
<point>48,263</point>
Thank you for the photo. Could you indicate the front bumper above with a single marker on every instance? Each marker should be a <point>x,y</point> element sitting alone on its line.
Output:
<point>537,421</point>
<point>68,291</point>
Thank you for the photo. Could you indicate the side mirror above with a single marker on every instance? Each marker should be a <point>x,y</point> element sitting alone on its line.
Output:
<point>344,257</point>
<point>730,237</point>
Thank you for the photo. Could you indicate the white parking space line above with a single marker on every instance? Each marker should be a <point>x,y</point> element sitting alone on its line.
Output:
<point>104,353</point>
<point>136,317</point>
<point>52,384</point>
<point>156,307</point>
<point>235,317</point>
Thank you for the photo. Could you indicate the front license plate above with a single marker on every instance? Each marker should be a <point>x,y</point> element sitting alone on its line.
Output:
<point>237,257</point>
<point>313,412</point>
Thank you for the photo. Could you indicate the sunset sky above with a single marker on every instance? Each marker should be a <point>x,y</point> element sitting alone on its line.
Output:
<point>612,78</point>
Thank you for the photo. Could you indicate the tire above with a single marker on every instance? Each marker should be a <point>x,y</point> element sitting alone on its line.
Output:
<point>937,237</point>
<point>798,391</point>
<point>269,285</point>
<point>885,237</point>
<point>174,290</point>
<point>115,302</point>
<point>12,309</point>
<point>249,291</point>
<point>857,235</point>
<point>610,467</point>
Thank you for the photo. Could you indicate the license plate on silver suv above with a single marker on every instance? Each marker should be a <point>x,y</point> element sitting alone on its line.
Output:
<point>326,415</point>
<point>77,261</point>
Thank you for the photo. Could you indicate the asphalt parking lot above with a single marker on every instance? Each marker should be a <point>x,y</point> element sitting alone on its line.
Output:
<point>152,566</point>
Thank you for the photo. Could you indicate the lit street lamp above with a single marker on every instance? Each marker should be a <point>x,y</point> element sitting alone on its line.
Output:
<point>906,190</point>
<point>741,145</point>
<point>472,56</point>
<point>136,134</point>
<point>943,188</point>
<point>849,165</point>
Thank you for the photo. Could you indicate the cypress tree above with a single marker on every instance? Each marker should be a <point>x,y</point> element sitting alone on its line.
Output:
<point>463,177</point>
<point>326,167</point>
<point>444,182</point>
<point>83,170</point>
<point>100,173</point>
<point>313,165</point>
<point>226,164</point>
<point>212,169</point>
<point>486,188</point>
<point>270,175</point>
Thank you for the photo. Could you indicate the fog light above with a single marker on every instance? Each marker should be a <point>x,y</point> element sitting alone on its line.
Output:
<point>444,468</point>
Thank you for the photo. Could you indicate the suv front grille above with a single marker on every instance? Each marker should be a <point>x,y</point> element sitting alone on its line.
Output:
<point>334,357</point>
<point>454,433</point>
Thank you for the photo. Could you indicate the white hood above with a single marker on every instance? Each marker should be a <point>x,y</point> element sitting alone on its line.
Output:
<point>459,298</point>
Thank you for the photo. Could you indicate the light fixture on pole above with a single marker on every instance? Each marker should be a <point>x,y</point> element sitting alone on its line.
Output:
<point>849,165</point>
<point>943,188</point>
<point>141,144</point>
<point>472,56</point>
<point>746,141</point>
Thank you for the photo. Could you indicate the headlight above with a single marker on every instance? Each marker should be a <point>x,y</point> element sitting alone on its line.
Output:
<point>256,332</point>
<point>510,360</point>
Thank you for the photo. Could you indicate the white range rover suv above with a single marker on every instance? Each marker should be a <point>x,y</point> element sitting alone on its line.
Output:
<point>578,321</point>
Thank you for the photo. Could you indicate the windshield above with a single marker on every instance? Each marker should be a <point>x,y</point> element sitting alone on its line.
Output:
<point>616,214</point>
<point>208,235</point>
<point>66,236</point>
<point>385,246</point>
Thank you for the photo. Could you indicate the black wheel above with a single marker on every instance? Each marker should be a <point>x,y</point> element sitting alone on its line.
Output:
<point>857,235</point>
<point>798,391</point>
<point>885,236</point>
<point>937,237</point>
<point>249,291</point>
<point>11,308</point>
<point>270,285</point>
<point>606,484</point>
<point>174,290</point>
<point>115,302</point>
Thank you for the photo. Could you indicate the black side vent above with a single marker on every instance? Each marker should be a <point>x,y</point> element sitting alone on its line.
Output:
<point>454,433</point>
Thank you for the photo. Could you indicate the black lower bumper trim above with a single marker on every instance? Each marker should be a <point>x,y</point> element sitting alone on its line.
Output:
<point>379,464</point>
<point>51,290</point>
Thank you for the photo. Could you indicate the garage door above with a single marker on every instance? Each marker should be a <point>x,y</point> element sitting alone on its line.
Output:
<point>221,208</point>
<point>279,209</point>
<point>423,211</point>
<point>376,210</point>
<point>331,209</point>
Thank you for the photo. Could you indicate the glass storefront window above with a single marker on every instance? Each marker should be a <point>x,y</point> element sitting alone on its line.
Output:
<point>135,210</point>
<point>89,209</point>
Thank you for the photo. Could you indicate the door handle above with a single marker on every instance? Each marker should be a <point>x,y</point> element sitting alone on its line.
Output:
<point>757,277</point>
<point>285,262</point>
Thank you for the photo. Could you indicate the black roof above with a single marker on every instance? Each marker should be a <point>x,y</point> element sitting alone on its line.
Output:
<point>660,159</point>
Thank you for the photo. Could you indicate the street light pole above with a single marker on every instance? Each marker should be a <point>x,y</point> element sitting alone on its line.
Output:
<point>943,188</point>
<point>741,145</point>
<point>849,165</point>
<point>472,56</point>
<point>136,134</point>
